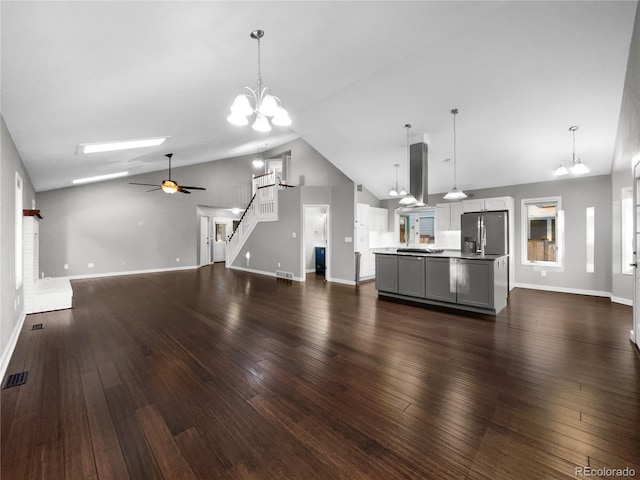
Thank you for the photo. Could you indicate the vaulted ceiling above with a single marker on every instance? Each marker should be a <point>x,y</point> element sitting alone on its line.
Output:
<point>351,74</point>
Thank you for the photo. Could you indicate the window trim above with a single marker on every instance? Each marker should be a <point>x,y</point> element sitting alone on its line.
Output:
<point>524,237</point>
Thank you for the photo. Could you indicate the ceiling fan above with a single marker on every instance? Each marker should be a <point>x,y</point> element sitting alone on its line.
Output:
<point>169,186</point>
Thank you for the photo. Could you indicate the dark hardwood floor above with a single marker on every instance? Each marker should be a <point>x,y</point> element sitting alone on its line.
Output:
<point>223,374</point>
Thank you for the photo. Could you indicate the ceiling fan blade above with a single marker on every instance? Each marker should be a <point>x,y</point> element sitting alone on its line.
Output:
<point>181,189</point>
<point>193,188</point>
<point>146,184</point>
<point>154,189</point>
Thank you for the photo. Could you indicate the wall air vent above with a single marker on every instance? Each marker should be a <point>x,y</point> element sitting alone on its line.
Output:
<point>286,275</point>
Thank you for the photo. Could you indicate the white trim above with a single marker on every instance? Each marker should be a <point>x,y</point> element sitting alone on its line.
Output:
<point>260,272</point>
<point>339,280</point>
<point>623,301</point>
<point>311,270</point>
<point>578,291</point>
<point>130,272</point>
<point>13,340</point>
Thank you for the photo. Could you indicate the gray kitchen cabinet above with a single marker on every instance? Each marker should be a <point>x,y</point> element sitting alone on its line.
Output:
<point>475,283</point>
<point>411,276</point>
<point>440,283</point>
<point>387,273</point>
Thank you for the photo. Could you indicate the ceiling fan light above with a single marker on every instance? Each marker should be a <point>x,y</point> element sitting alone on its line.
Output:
<point>241,106</point>
<point>579,168</point>
<point>169,186</point>
<point>561,170</point>
<point>281,118</point>
<point>269,106</point>
<point>237,119</point>
<point>455,194</point>
<point>261,124</point>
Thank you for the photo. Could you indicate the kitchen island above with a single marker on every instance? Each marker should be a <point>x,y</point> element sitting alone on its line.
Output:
<point>472,282</point>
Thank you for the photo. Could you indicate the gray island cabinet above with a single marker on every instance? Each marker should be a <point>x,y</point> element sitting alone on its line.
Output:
<point>468,282</point>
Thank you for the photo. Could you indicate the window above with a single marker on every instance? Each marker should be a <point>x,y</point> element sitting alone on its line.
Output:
<point>418,226</point>
<point>427,228</point>
<point>542,231</point>
<point>18,229</point>
<point>626,231</point>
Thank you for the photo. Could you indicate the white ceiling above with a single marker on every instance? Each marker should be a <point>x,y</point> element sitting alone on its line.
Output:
<point>351,75</point>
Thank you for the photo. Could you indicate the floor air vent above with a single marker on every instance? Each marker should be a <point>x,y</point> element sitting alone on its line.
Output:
<point>37,326</point>
<point>16,379</point>
<point>281,274</point>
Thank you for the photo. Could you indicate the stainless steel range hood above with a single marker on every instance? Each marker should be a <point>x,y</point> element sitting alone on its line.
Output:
<point>418,172</point>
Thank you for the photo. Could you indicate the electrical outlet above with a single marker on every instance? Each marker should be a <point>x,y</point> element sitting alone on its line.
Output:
<point>66,266</point>
<point>543,273</point>
<point>177,259</point>
<point>123,262</point>
<point>90,265</point>
<point>278,264</point>
<point>293,234</point>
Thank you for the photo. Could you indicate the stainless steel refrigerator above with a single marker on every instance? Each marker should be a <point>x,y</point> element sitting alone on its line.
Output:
<point>485,232</point>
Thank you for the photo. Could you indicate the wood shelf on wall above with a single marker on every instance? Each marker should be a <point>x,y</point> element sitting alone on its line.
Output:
<point>31,213</point>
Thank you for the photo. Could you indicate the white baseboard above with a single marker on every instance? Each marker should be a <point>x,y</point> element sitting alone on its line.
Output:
<point>129,272</point>
<point>577,291</point>
<point>341,281</point>
<point>260,272</point>
<point>13,340</point>
<point>623,301</point>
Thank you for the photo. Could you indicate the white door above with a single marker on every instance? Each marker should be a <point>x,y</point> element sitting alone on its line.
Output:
<point>205,247</point>
<point>635,333</point>
<point>221,231</point>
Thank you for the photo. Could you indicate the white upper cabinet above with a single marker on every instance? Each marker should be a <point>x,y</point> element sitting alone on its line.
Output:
<point>378,219</point>
<point>487,204</point>
<point>448,216</point>
<point>362,214</point>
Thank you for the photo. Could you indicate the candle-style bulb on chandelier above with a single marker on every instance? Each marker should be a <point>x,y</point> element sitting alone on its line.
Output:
<point>258,102</point>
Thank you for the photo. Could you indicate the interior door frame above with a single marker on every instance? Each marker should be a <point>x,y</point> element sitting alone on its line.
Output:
<point>635,330</point>
<point>327,254</point>
<point>202,261</point>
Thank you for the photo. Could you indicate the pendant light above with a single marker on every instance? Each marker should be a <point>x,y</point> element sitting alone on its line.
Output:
<point>394,190</point>
<point>577,167</point>
<point>454,194</point>
<point>264,106</point>
<point>258,162</point>
<point>408,199</point>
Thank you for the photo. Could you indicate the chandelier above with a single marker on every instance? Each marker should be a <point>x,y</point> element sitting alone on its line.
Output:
<point>576,167</point>
<point>454,194</point>
<point>258,102</point>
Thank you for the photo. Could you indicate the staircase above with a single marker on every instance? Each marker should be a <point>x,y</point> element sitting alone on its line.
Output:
<point>263,207</point>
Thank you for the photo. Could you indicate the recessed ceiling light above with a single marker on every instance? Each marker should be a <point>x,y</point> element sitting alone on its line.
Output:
<point>99,177</point>
<point>120,145</point>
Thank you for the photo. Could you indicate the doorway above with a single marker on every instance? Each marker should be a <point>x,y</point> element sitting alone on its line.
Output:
<point>316,246</point>
<point>221,231</point>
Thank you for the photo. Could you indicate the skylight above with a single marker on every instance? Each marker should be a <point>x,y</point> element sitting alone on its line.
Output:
<point>120,145</point>
<point>99,178</point>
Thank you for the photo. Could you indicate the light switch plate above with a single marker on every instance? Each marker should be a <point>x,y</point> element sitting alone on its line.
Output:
<point>348,239</point>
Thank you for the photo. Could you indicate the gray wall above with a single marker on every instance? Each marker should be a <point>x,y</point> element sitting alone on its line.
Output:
<point>627,147</point>
<point>273,242</point>
<point>342,225</point>
<point>109,223</point>
<point>10,314</point>
<point>365,196</point>
<point>577,194</point>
